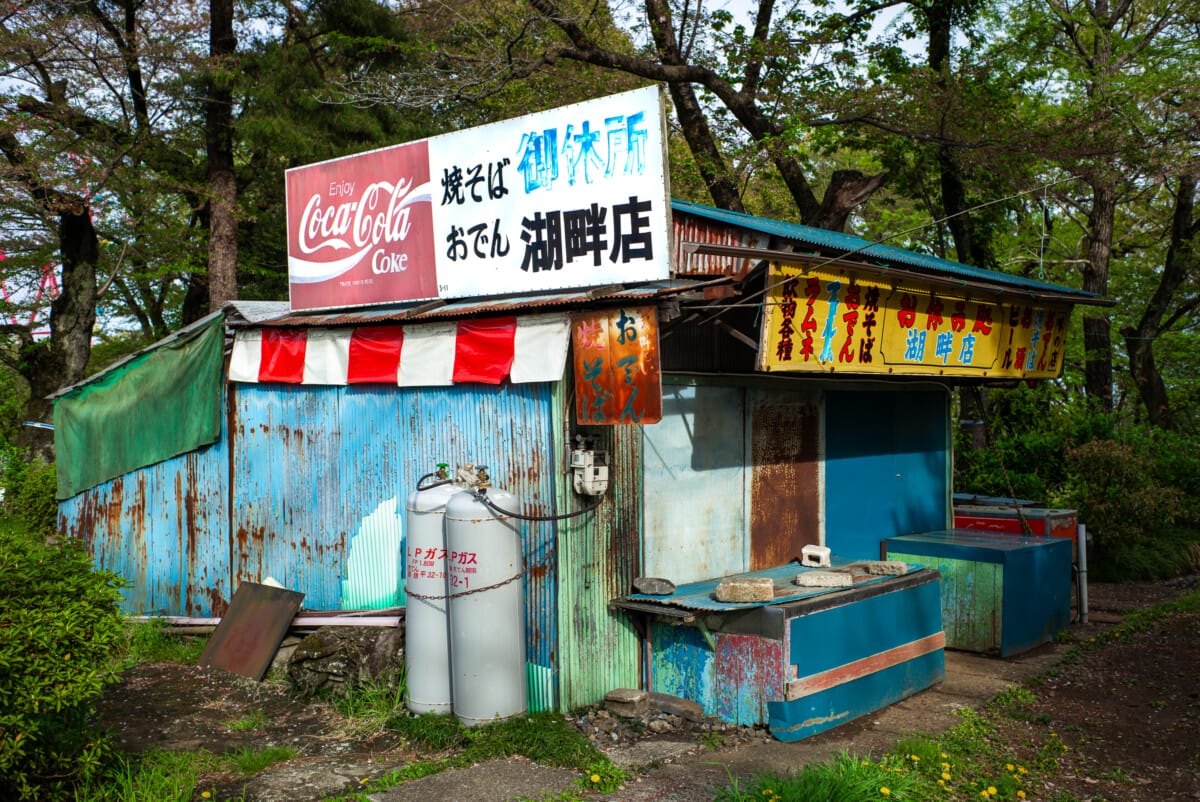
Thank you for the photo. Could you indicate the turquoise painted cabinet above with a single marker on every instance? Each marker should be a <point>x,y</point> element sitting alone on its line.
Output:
<point>799,666</point>
<point>1001,594</point>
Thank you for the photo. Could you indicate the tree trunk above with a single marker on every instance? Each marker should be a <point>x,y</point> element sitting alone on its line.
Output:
<point>62,360</point>
<point>968,248</point>
<point>1097,334</point>
<point>222,218</point>
<point>709,161</point>
<point>1157,318</point>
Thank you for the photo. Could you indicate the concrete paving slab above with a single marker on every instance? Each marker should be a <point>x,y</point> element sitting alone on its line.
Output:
<point>493,781</point>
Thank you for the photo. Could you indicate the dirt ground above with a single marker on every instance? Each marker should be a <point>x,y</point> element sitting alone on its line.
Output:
<point>1129,712</point>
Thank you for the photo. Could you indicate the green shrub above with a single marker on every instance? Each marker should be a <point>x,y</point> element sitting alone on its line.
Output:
<point>1113,487</point>
<point>60,625</point>
<point>35,504</point>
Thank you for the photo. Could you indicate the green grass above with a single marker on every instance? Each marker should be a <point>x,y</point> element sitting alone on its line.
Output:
<point>254,720</point>
<point>154,776</point>
<point>150,642</point>
<point>370,705</point>
<point>252,761</point>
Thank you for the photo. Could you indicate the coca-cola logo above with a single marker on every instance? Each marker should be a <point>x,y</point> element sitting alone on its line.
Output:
<point>380,215</point>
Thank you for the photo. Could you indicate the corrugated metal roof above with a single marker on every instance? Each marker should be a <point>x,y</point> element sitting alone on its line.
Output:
<point>844,244</point>
<point>429,310</point>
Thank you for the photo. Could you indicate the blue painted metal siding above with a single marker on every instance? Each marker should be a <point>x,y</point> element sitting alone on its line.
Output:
<point>317,469</point>
<point>841,635</point>
<point>696,485</point>
<point>165,528</point>
<point>887,467</point>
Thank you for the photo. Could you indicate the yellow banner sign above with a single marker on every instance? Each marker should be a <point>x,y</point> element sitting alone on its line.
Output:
<point>840,322</point>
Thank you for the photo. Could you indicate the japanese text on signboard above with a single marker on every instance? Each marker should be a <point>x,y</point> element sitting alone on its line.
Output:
<point>617,375</point>
<point>830,322</point>
<point>571,197</point>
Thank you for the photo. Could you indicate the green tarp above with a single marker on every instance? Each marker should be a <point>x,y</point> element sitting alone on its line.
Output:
<point>162,403</point>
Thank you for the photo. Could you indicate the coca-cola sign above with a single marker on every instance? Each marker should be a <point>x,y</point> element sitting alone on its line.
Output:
<point>571,197</point>
<point>360,230</point>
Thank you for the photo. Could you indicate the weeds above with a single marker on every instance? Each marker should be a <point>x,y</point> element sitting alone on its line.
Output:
<point>252,761</point>
<point>254,720</point>
<point>151,642</point>
<point>371,704</point>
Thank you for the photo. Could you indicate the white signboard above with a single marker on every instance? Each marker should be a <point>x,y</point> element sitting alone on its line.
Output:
<point>571,197</point>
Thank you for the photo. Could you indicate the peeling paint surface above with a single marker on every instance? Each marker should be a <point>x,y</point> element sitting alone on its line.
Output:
<point>874,648</point>
<point>598,559</point>
<point>375,566</point>
<point>312,464</point>
<point>695,496</point>
<point>165,529</point>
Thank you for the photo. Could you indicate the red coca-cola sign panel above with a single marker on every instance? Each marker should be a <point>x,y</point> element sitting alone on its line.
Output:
<point>360,230</point>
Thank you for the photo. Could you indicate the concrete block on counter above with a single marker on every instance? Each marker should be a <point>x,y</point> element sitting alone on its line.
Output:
<point>753,589</point>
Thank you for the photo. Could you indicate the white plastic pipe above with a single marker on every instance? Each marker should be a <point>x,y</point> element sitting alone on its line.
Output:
<point>1081,540</point>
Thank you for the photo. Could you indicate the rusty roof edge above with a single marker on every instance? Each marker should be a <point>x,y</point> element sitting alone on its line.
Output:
<point>1043,291</point>
<point>510,304</point>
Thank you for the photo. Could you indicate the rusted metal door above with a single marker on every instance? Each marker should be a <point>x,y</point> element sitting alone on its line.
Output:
<point>785,492</point>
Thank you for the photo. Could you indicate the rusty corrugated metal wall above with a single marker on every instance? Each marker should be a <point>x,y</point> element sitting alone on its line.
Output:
<point>732,476</point>
<point>598,557</point>
<point>165,528</point>
<point>316,467</point>
<point>785,489</point>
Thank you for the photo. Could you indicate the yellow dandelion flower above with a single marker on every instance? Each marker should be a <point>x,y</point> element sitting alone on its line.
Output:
<point>205,794</point>
<point>1020,794</point>
<point>595,778</point>
<point>944,755</point>
<point>945,775</point>
<point>915,758</point>
<point>885,791</point>
<point>991,790</point>
<point>942,783</point>
<point>984,794</point>
<point>1022,770</point>
<point>1009,767</point>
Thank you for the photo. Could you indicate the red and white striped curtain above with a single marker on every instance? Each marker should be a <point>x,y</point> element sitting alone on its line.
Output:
<point>520,349</point>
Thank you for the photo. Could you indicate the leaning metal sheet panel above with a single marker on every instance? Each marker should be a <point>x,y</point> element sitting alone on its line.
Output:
<point>695,485</point>
<point>598,558</point>
<point>165,528</point>
<point>251,630</point>
<point>319,468</point>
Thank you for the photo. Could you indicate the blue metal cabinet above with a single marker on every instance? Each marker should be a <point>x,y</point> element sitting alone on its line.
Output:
<point>800,665</point>
<point>1001,594</point>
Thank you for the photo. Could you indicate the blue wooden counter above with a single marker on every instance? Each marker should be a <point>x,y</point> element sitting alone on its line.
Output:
<point>1001,594</point>
<point>800,665</point>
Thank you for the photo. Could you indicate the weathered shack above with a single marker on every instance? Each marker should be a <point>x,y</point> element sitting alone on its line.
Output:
<point>783,387</point>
